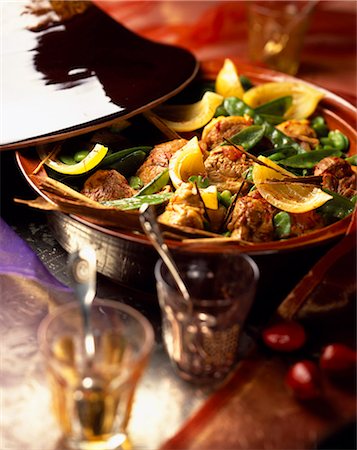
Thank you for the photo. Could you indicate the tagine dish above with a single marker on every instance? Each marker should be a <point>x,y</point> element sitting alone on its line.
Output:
<point>231,160</point>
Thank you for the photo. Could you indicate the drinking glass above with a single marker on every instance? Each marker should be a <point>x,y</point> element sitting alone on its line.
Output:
<point>201,338</point>
<point>92,403</point>
<point>276,32</point>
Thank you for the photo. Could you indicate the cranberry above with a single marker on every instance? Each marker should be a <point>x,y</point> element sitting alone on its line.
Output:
<point>337,358</point>
<point>303,378</point>
<point>284,336</point>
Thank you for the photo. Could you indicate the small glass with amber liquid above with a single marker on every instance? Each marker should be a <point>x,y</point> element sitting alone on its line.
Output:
<point>276,32</point>
<point>92,404</point>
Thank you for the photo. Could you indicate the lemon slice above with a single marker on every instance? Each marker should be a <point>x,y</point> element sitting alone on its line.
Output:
<point>227,82</point>
<point>305,97</point>
<point>186,162</point>
<point>190,117</point>
<point>93,158</point>
<point>290,197</point>
<point>209,197</point>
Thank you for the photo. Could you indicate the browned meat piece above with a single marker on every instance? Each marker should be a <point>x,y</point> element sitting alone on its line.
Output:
<point>158,160</point>
<point>226,167</point>
<point>301,132</point>
<point>252,219</point>
<point>185,208</point>
<point>106,185</point>
<point>223,127</point>
<point>303,223</point>
<point>337,176</point>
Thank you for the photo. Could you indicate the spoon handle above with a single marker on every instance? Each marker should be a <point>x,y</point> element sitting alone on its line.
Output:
<point>153,232</point>
<point>83,269</point>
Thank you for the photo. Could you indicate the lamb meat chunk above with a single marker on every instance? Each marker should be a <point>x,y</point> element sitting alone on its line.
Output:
<point>252,219</point>
<point>106,185</point>
<point>222,127</point>
<point>185,208</point>
<point>159,159</point>
<point>337,176</point>
<point>226,167</point>
<point>303,223</point>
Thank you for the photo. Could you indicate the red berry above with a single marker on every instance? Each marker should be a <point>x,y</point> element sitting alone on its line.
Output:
<point>303,378</point>
<point>338,358</point>
<point>284,336</point>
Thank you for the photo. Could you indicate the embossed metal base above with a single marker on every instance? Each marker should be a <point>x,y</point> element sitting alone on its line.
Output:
<point>128,262</point>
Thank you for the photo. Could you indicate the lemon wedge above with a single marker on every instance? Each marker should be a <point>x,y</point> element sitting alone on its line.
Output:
<point>190,117</point>
<point>209,196</point>
<point>305,97</point>
<point>227,82</point>
<point>186,162</point>
<point>93,158</point>
<point>290,197</point>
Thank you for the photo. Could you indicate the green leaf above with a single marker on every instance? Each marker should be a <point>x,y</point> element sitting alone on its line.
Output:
<point>126,204</point>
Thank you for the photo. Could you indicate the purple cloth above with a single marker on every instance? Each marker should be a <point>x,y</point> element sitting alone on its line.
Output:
<point>16,257</point>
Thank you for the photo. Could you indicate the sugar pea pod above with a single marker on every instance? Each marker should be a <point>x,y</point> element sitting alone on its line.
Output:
<point>221,111</point>
<point>276,107</point>
<point>67,159</point>
<point>281,153</point>
<point>130,203</point>
<point>352,160</point>
<point>272,119</point>
<point>156,184</point>
<point>110,160</point>
<point>80,155</point>
<point>135,182</point>
<point>308,160</point>
<point>245,82</point>
<point>319,125</point>
<point>225,198</point>
<point>339,140</point>
<point>282,224</point>
<point>236,107</point>
<point>130,163</point>
<point>249,136</point>
<point>337,208</point>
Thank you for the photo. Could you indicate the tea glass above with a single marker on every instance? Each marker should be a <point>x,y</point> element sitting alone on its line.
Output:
<point>276,32</point>
<point>202,338</point>
<point>92,404</point>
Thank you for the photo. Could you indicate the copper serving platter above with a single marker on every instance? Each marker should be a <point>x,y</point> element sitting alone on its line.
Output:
<point>124,254</point>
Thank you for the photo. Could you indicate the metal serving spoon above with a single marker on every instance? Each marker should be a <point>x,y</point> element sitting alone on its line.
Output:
<point>88,395</point>
<point>83,267</point>
<point>193,323</point>
<point>153,232</point>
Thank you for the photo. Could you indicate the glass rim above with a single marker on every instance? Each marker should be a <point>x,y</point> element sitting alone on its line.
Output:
<point>208,302</point>
<point>51,316</point>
